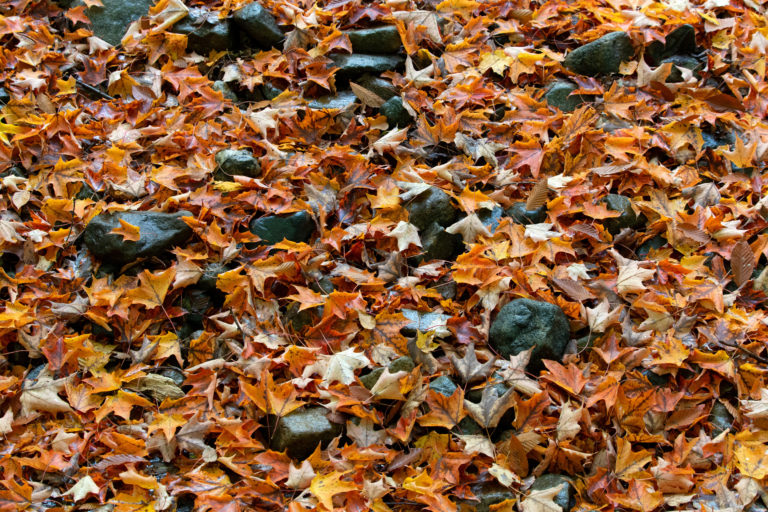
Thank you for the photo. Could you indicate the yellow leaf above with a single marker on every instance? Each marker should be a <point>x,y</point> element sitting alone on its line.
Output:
<point>68,86</point>
<point>152,288</point>
<point>128,231</point>
<point>325,487</point>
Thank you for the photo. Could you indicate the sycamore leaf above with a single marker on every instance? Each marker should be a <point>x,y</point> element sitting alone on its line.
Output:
<point>406,234</point>
<point>757,409</point>
<point>42,394</point>
<point>631,275</point>
<point>477,444</point>
<point>541,232</point>
<point>504,476</point>
<point>83,488</point>
<point>542,500</point>
<point>492,406</point>
<point>469,227</point>
<point>341,366</point>
<point>6,422</point>
<point>301,477</point>
<point>600,318</point>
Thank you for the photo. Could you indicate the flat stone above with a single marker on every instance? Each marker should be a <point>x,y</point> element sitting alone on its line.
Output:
<point>357,64</point>
<point>628,217</point>
<point>238,162</point>
<point>521,215</point>
<point>443,385</point>
<point>564,498</point>
<point>158,233</point>
<point>259,24</point>
<point>424,322</point>
<point>384,40</point>
<point>559,95</point>
<point>340,100</point>
<point>432,205</point>
<point>299,432</point>
<point>110,21</point>
<point>296,227</point>
<point>524,323</point>
<point>600,57</point>
<point>395,112</point>
<point>205,32</point>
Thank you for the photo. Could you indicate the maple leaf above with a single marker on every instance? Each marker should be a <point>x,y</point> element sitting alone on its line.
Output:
<point>542,500</point>
<point>301,477</point>
<point>631,275</point>
<point>128,231</point>
<point>469,367</point>
<point>444,411</point>
<point>83,488</point>
<point>152,288</point>
<point>325,487</point>
<point>629,463</point>
<point>492,406</point>
<point>42,394</point>
<point>469,227</point>
<point>339,367</point>
<point>406,234</point>
<point>600,318</point>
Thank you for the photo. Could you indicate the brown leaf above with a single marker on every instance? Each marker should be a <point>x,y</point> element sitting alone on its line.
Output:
<point>368,97</point>
<point>492,406</point>
<point>537,197</point>
<point>742,262</point>
<point>469,368</point>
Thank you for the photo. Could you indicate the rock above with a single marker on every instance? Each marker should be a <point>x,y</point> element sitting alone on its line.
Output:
<point>443,385</point>
<point>491,218</point>
<point>559,95</point>
<point>395,112</point>
<point>401,364</point>
<point>720,418</point>
<point>438,244</point>
<point>210,275</point>
<point>238,162</point>
<point>655,243</point>
<point>682,61</point>
<point>110,21</point>
<point>340,100</point>
<point>356,64</point>
<point>432,205</point>
<point>628,217</point>
<point>225,89</point>
<point>564,498</point>
<point>525,323</point>
<point>296,227</point>
<point>205,31</point>
<point>380,87</point>
<point>425,321</point>
<point>521,215</point>
<point>259,24</point>
<point>383,40</point>
<point>681,41</point>
<point>158,233</point>
<point>299,432</point>
<point>468,426</point>
<point>489,494</point>
<point>5,96</point>
<point>600,57</point>
<point>270,92</point>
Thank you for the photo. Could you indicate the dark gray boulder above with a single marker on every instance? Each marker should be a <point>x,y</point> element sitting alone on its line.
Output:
<point>299,432</point>
<point>600,57</point>
<point>522,215</point>
<point>259,25</point>
<point>110,21</point>
<point>395,112</point>
<point>685,62</point>
<point>238,162</point>
<point>385,40</point>
<point>357,64</point>
<point>158,232</point>
<point>432,205</point>
<point>296,227</point>
<point>524,323</point>
<point>401,364</point>
<point>564,498</point>
<point>491,217</point>
<point>207,281</point>
<point>443,385</point>
<point>559,95</point>
<point>438,244</point>
<point>225,89</point>
<point>681,41</point>
<point>205,32</point>
<point>5,96</point>
<point>628,217</point>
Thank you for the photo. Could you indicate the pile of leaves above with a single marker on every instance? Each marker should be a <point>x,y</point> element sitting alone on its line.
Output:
<point>107,403</point>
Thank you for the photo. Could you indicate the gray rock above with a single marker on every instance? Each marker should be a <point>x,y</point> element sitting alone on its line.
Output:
<point>600,57</point>
<point>384,40</point>
<point>564,498</point>
<point>628,217</point>
<point>720,418</point>
<point>210,275</point>
<point>657,242</point>
<point>682,61</point>
<point>296,227</point>
<point>110,21</point>
<point>356,64</point>
<point>438,244</point>
<point>521,215</point>
<point>443,385</point>
<point>299,432</point>
<point>205,32</point>
<point>491,218</point>
<point>380,87</point>
<point>401,364</point>
<point>395,112</point>
<point>681,41</point>
<point>432,205</point>
<point>225,89</point>
<point>524,323</point>
<point>489,494</point>
<point>340,100</point>
<point>158,233</point>
<point>259,24</point>
<point>424,321</point>
<point>559,95</point>
<point>717,136</point>
<point>238,162</point>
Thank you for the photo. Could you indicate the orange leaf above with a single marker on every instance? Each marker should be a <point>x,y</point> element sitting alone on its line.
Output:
<point>444,411</point>
<point>152,288</point>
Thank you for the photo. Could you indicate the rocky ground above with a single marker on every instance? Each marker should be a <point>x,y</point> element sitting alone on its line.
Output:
<point>383,256</point>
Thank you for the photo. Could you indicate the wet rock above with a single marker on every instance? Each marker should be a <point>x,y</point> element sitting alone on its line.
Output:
<point>205,31</point>
<point>600,57</point>
<point>491,218</point>
<point>238,162</point>
<point>682,61</point>
<point>432,205</point>
<point>110,20</point>
<point>488,494</point>
<point>425,321</point>
<point>401,364</point>
<point>468,426</point>
<point>443,385</point>
<point>521,215</point>
<point>299,432</point>
<point>628,217</point>
<point>438,244</point>
<point>524,323</point>
<point>296,227</point>
<point>395,112</point>
<point>384,40</point>
<point>681,41</point>
<point>259,25</point>
<point>158,233</point>
<point>717,136</point>
<point>380,87</point>
<point>559,95</point>
<point>720,418</point>
<point>340,100</point>
<point>270,92</point>
<point>357,64</point>
<point>564,498</point>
